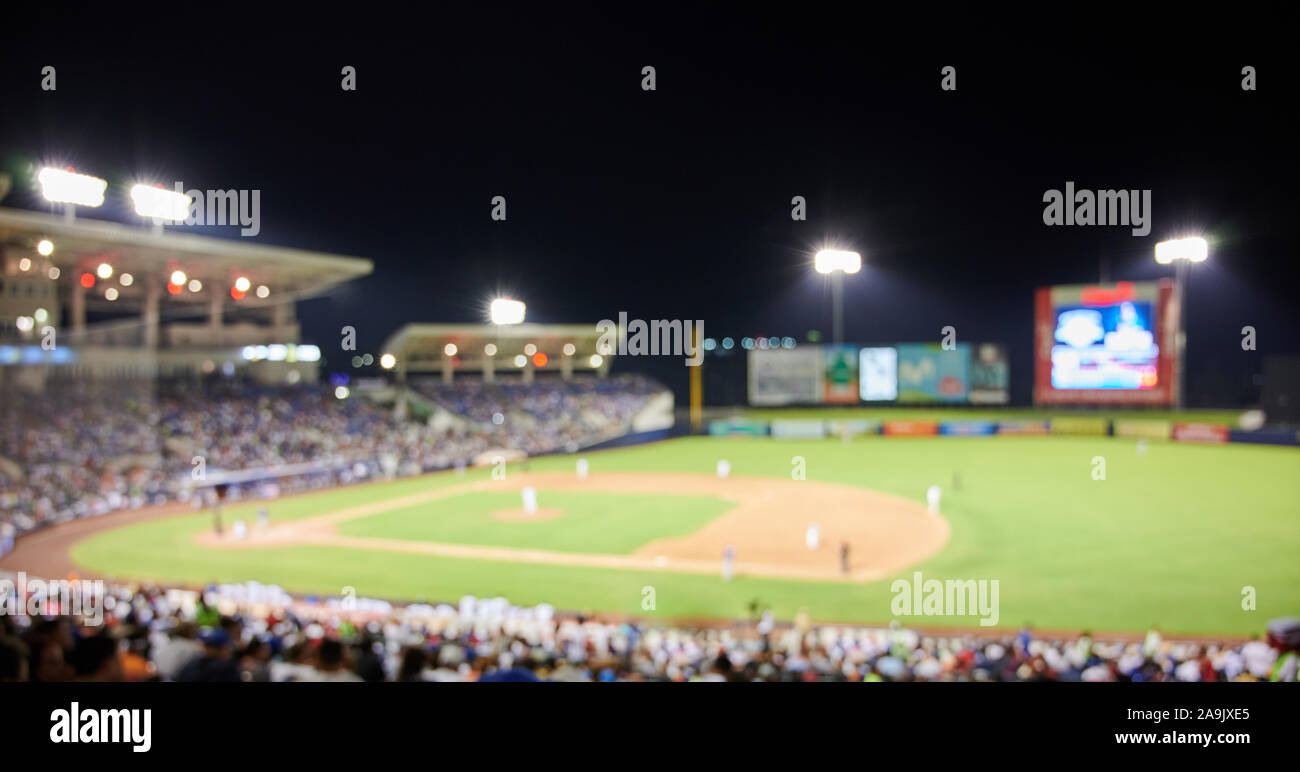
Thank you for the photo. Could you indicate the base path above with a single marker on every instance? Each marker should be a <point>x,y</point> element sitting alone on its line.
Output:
<point>766,527</point>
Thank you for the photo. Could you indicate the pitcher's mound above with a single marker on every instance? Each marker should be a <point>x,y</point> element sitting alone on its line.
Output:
<point>513,515</point>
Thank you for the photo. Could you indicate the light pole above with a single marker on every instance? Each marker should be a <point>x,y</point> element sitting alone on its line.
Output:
<point>836,263</point>
<point>1182,253</point>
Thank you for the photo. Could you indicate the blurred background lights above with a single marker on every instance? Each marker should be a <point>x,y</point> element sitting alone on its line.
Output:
<point>104,270</point>
<point>45,247</point>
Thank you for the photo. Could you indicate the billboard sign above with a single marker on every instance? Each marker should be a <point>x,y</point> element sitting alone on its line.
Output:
<point>779,376</point>
<point>840,370</point>
<point>879,374</point>
<point>1109,344</point>
<point>929,373</point>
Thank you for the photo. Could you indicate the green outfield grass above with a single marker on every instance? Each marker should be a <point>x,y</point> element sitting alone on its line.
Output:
<point>1169,538</point>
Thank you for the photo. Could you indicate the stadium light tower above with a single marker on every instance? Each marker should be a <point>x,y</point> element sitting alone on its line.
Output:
<point>836,263</point>
<point>1182,253</point>
<point>65,186</point>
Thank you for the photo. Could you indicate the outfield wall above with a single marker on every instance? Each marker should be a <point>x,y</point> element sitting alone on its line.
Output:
<point>1148,429</point>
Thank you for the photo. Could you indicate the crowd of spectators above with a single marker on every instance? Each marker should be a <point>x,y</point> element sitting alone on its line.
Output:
<point>78,449</point>
<point>547,414</point>
<point>258,633</point>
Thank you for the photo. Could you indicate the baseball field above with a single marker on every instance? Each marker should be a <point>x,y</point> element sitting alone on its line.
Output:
<point>1172,536</point>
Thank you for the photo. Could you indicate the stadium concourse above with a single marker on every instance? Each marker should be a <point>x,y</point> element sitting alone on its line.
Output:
<point>259,633</point>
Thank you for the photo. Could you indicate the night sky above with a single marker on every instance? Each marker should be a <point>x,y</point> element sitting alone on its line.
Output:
<point>675,203</point>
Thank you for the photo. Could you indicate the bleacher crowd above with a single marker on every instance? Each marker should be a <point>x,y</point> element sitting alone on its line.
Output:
<point>255,632</point>
<point>77,449</point>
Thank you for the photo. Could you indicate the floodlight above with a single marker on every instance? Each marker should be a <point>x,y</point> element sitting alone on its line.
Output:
<point>160,203</point>
<point>1193,249</point>
<point>831,260</point>
<point>506,311</point>
<point>67,187</point>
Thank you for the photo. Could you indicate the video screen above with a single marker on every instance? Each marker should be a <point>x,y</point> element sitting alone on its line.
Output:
<point>1107,347</point>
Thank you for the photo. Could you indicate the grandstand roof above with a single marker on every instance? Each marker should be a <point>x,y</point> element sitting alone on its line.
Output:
<point>81,244</point>
<point>420,347</point>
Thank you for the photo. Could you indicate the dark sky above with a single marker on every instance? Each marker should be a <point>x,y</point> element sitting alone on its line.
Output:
<point>676,203</point>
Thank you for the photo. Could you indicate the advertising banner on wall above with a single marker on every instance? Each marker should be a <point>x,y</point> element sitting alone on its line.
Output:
<point>1111,345</point>
<point>781,376</point>
<point>929,373</point>
<point>840,371</point>
<point>990,375</point>
<point>878,370</point>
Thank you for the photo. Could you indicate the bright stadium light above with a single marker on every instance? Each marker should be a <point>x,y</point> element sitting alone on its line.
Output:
<point>836,263</point>
<point>1194,249</point>
<point>831,260</point>
<point>62,186</point>
<point>160,203</point>
<point>45,247</point>
<point>387,361</point>
<point>506,311</point>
